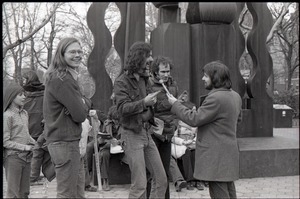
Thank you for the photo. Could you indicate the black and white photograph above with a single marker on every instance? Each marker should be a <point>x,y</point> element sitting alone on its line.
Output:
<point>150,100</point>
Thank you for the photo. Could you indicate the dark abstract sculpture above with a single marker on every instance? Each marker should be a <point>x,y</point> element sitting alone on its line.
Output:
<point>131,29</point>
<point>211,33</point>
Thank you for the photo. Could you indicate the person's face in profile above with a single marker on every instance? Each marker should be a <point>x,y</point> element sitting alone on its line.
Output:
<point>19,99</point>
<point>207,81</point>
<point>73,55</point>
<point>145,70</point>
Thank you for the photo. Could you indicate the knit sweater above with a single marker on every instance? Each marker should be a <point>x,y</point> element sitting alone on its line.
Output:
<point>64,109</point>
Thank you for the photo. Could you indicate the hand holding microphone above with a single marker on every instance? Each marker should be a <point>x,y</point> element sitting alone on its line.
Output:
<point>171,98</point>
<point>162,83</point>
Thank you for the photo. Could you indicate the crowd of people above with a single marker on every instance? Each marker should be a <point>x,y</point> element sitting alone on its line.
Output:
<point>163,136</point>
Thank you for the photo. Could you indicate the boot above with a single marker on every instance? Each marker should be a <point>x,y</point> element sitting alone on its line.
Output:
<point>105,185</point>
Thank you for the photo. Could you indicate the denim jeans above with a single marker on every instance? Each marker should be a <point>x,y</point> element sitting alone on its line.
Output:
<point>164,149</point>
<point>174,172</point>
<point>69,169</point>
<point>141,152</point>
<point>17,174</point>
<point>36,163</point>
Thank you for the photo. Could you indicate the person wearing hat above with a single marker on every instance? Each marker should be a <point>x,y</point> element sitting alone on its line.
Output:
<point>17,143</point>
<point>34,90</point>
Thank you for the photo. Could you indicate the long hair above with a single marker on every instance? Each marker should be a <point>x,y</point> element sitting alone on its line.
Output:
<point>219,74</point>
<point>136,57</point>
<point>58,64</point>
<point>160,60</point>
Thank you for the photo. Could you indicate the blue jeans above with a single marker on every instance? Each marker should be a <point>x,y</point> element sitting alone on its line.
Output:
<point>69,169</point>
<point>17,174</point>
<point>141,153</point>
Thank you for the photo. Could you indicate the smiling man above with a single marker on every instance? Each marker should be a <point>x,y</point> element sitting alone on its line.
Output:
<point>134,104</point>
<point>64,109</point>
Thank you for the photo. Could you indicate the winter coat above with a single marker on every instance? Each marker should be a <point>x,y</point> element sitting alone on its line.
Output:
<point>217,154</point>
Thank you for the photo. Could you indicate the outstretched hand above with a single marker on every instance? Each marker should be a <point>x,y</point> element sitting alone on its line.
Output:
<point>151,99</point>
<point>171,99</point>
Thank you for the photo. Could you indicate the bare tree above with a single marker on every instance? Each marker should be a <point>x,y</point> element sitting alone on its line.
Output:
<point>286,31</point>
<point>283,34</point>
<point>21,23</point>
<point>19,39</point>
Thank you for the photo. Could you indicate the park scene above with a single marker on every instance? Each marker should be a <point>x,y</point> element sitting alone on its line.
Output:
<point>257,42</point>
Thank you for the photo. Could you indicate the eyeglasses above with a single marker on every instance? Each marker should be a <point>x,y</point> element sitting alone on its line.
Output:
<point>74,52</point>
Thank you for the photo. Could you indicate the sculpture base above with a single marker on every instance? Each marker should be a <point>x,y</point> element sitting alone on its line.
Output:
<point>270,156</point>
<point>259,157</point>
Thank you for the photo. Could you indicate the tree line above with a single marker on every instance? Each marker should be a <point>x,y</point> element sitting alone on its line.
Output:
<point>31,30</point>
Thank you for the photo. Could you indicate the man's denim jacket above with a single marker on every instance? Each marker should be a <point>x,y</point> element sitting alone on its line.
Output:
<point>129,95</point>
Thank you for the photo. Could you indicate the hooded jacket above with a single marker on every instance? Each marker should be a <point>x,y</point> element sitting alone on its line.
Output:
<point>10,92</point>
<point>34,103</point>
<point>15,125</point>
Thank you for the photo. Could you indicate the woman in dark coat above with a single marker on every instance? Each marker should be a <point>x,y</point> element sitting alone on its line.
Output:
<point>217,154</point>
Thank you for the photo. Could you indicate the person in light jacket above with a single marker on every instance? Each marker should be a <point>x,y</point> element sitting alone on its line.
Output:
<point>217,154</point>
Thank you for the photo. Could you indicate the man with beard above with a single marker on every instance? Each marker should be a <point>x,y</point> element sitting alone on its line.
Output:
<point>217,153</point>
<point>134,105</point>
<point>161,74</point>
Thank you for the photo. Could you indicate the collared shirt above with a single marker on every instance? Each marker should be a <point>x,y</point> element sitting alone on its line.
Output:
<point>16,133</point>
<point>74,73</point>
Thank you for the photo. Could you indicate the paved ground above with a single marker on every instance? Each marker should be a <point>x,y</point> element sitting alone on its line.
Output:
<point>270,187</point>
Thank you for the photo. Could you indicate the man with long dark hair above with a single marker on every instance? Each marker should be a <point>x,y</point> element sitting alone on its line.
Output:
<point>134,105</point>
<point>217,153</point>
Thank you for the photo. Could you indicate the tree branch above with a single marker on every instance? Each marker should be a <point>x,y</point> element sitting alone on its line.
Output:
<point>19,41</point>
<point>284,11</point>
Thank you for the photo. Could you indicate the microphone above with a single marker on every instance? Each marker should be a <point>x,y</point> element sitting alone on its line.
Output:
<point>162,83</point>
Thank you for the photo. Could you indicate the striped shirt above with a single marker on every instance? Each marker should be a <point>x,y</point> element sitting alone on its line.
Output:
<point>16,133</point>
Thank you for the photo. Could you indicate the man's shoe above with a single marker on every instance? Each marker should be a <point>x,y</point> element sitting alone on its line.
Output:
<point>179,185</point>
<point>90,188</point>
<point>200,185</point>
<point>189,186</point>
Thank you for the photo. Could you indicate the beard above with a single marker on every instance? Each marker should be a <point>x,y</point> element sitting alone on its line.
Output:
<point>145,73</point>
